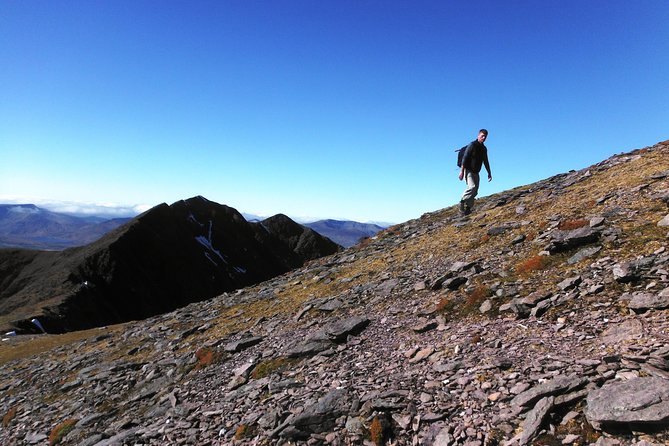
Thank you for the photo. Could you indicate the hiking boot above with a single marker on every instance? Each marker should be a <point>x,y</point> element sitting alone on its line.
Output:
<point>463,208</point>
<point>467,210</point>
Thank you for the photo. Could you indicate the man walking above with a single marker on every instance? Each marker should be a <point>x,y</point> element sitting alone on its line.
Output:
<point>476,154</point>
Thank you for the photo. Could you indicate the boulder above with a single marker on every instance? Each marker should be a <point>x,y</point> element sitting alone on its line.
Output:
<point>319,417</point>
<point>644,301</point>
<point>639,404</point>
<point>566,240</point>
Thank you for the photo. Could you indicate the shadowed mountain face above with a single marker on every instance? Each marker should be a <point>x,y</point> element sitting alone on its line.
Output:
<point>30,227</point>
<point>163,259</point>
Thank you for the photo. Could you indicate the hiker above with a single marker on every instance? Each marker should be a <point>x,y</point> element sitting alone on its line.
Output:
<point>475,155</point>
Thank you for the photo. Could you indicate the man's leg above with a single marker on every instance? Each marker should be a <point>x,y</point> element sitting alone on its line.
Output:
<point>467,201</point>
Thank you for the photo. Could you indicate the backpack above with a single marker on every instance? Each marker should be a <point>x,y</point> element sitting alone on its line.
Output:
<point>461,154</point>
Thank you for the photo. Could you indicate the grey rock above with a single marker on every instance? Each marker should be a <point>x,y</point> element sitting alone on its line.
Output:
<point>643,301</point>
<point>535,297</point>
<point>541,308</point>
<point>535,418</point>
<point>567,240</point>
<point>570,283</point>
<point>388,286</point>
<point>447,367</point>
<point>309,348</point>
<point>640,404</point>
<point>319,417</point>
<point>331,305</point>
<point>520,239</point>
<point>625,272</point>
<point>425,326</point>
<point>556,386</point>
<point>35,438</point>
<point>242,344</point>
<point>520,309</point>
<point>584,254</point>
<point>485,306</point>
<point>455,282</point>
<point>597,221</point>
<point>619,333</point>
<point>340,330</point>
<point>664,221</point>
<point>118,438</point>
<point>438,283</point>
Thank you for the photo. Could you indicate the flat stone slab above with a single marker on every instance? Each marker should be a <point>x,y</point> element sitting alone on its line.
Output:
<point>327,338</point>
<point>649,301</point>
<point>620,332</point>
<point>242,344</point>
<point>556,386</point>
<point>340,330</point>
<point>639,404</point>
<point>584,254</point>
<point>319,417</point>
<point>535,418</point>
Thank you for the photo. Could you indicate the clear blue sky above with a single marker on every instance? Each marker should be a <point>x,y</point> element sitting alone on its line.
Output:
<point>324,109</point>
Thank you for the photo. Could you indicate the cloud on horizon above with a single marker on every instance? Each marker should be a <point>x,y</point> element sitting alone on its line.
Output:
<point>107,210</point>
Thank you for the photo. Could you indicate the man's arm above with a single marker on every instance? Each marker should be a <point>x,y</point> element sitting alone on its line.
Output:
<point>487,166</point>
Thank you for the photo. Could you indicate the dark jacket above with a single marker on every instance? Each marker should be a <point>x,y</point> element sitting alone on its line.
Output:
<point>476,155</point>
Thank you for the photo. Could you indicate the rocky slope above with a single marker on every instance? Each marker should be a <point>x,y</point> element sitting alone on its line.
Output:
<point>541,319</point>
<point>163,259</point>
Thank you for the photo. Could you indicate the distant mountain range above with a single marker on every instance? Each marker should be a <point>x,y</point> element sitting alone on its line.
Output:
<point>163,259</point>
<point>346,233</point>
<point>30,227</point>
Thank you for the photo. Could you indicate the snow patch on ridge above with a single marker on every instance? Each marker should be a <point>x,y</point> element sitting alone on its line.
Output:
<point>206,242</point>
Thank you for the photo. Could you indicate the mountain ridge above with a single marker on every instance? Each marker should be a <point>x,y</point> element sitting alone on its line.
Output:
<point>56,231</point>
<point>166,257</point>
<point>525,323</point>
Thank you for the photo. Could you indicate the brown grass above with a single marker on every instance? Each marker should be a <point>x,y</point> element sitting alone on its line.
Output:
<point>9,416</point>
<point>568,225</point>
<point>206,357</point>
<point>534,263</point>
<point>245,431</point>
<point>476,296</point>
<point>376,432</point>
<point>58,432</point>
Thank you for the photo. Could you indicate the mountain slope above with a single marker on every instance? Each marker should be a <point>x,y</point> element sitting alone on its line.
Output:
<point>523,324</point>
<point>165,258</point>
<point>345,233</point>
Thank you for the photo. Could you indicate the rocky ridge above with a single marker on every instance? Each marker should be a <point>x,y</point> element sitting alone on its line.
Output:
<point>161,260</point>
<point>542,319</point>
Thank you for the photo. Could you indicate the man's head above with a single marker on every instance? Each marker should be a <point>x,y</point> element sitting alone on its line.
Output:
<point>483,134</point>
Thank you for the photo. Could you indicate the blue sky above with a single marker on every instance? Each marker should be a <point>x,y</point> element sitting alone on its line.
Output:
<point>321,109</point>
